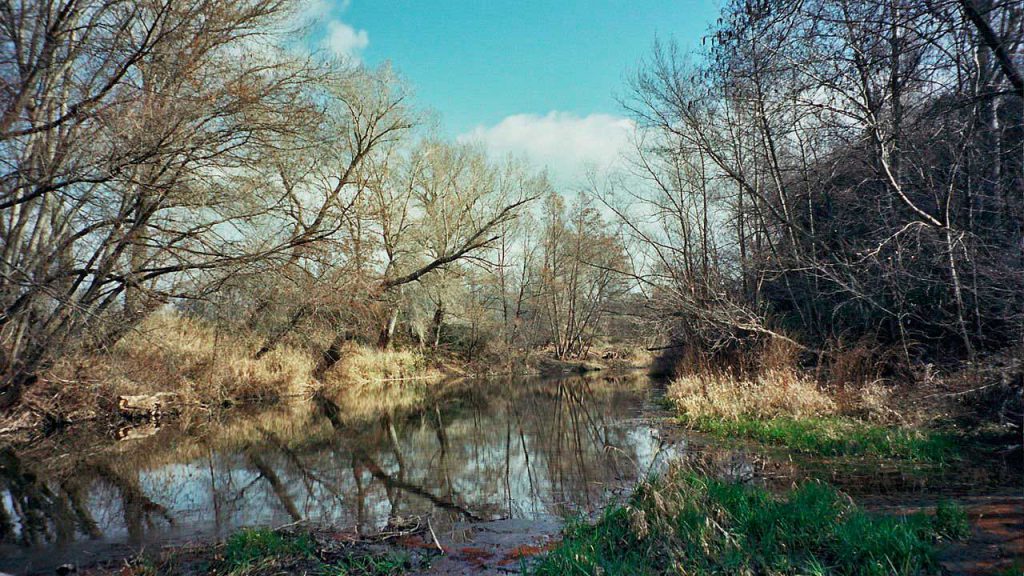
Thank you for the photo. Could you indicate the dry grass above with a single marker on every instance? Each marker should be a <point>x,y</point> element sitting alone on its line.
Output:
<point>208,366</point>
<point>173,353</point>
<point>178,354</point>
<point>621,355</point>
<point>764,382</point>
<point>784,406</point>
<point>874,402</point>
<point>368,382</point>
<point>782,409</point>
<point>774,393</point>
<point>768,382</point>
<point>360,365</point>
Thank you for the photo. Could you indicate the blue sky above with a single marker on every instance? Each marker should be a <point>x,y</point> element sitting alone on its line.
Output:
<point>499,71</point>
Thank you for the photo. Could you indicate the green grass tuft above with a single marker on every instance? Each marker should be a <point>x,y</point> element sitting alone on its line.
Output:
<point>835,436</point>
<point>951,521</point>
<point>248,549</point>
<point>385,564</point>
<point>694,525</point>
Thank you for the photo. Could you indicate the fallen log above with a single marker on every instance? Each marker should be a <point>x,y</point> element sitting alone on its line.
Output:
<point>148,405</point>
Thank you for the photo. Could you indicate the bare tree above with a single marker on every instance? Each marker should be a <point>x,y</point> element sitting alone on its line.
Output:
<point>138,137</point>
<point>863,161</point>
<point>580,264</point>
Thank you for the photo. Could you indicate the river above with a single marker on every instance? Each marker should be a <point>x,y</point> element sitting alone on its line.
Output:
<point>526,450</point>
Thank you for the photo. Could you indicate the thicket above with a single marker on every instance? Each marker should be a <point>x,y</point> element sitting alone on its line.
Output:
<point>839,175</point>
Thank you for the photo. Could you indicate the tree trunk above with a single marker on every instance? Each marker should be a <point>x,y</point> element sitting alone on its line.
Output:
<point>387,334</point>
<point>958,294</point>
<point>331,355</point>
<point>435,332</point>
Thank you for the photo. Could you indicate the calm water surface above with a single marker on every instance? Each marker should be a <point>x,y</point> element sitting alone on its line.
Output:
<point>515,448</point>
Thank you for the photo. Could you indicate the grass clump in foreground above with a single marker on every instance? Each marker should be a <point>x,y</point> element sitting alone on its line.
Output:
<point>388,564</point>
<point>247,551</point>
<point>260,551</point>
<point>783,408</point>
<point>686,524</point>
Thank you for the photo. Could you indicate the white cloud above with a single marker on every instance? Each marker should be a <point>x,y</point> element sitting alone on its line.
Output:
<point>338,37</point>
<point>313,10</point>
<point>345,41</point>
<point>566,144</point>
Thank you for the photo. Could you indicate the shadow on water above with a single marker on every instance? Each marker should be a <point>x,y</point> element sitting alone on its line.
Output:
<point>514,448</point>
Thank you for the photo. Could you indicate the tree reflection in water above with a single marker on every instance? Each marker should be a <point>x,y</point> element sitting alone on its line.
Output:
<point>517,447</point>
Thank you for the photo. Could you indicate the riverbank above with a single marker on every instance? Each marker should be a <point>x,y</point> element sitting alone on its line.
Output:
<point>410,548</point>
<point>709,516</point>
<point>680,518</point>
<point>489,466</point>
<point>293,550</point>
<point>176,366</point>
<point>850,477</point>
<point>786,409</point>
<point>842,483</point>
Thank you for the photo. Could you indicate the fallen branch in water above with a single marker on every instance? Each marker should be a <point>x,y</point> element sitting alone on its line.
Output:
<point>434,536</point>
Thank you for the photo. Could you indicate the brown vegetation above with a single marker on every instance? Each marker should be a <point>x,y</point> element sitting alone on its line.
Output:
<point>773,393</point>
<point>769,381</point>
<point>203,367</point>
<point>185,355</point>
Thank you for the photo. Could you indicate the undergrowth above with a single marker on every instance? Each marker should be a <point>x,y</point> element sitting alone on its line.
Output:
<point>204,366</point>
<point>361,365</point>
<point>772,393</point>
<point>384,564</point>
<point>687,524</point>
<point>247,551</point>
<point>260,551</point>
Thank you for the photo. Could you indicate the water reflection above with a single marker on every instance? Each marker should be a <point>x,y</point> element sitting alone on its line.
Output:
<point>513,448</point>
